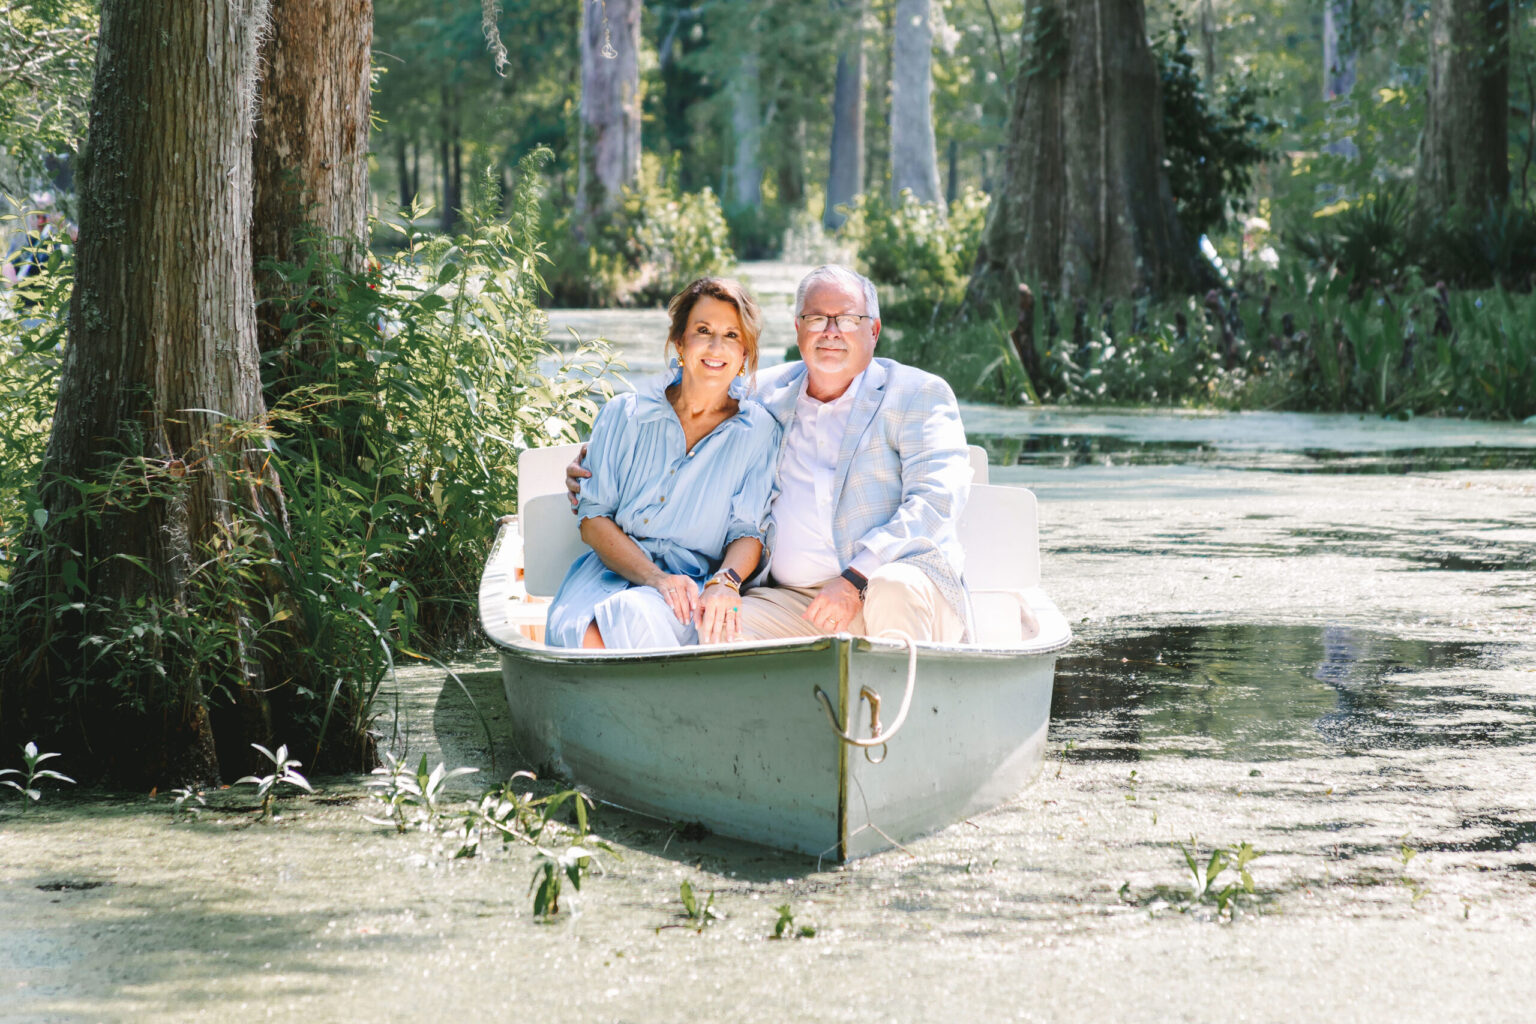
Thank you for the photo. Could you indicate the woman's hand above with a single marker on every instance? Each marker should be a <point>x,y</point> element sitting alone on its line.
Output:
<point>681,593</point>
<point>719,620</point>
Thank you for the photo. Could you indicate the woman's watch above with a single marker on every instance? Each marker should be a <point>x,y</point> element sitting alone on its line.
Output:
<point>859,580</point>
<point>726,577</point>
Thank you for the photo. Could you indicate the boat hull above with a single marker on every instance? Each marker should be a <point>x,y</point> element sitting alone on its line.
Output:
<point>737,738</point>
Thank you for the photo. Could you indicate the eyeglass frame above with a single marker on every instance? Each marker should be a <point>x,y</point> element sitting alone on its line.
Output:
<point>828,318</point>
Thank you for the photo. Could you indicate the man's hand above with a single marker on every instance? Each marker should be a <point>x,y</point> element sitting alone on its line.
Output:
<point>574,475</point>
<point>834,607</point>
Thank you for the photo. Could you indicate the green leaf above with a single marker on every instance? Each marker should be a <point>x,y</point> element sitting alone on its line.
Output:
<point>40,517</point>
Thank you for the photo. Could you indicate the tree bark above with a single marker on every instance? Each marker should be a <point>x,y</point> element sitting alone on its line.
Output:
<point>1463,165</point>
<point>914,158</point>
<point>310,155</point>
<point>746,130</point>
<point>1339,65</point>
<point>609,146</point>
<point>1084,205</point>
<point>845,172</point>
<point>159,369</point>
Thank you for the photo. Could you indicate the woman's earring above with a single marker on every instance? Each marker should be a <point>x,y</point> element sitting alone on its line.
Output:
<point>743,371</point>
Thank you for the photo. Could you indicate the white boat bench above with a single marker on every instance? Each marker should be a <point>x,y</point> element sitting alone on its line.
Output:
<point>998,531</point>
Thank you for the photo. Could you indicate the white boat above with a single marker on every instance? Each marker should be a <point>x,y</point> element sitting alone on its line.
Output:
<point>837,746</point>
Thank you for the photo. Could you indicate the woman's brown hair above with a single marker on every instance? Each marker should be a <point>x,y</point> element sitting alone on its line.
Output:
<point>726,290</point>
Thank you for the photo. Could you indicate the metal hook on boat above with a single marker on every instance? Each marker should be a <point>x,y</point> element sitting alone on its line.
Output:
<point>878,737</point>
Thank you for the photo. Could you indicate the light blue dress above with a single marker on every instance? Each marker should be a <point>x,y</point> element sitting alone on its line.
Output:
<point>683,508</point>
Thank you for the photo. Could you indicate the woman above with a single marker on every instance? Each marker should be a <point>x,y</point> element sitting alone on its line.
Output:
<point>677,506</point>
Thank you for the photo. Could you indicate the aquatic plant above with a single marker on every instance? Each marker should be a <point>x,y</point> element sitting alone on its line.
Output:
<point>187,803</point>
<point>283,774</point>
<point>700,915</point>
<point>400,789</point>
<point>1417,890</point>
<point>785,925</point>
<point>32,774</point>
<point>1207,887</point>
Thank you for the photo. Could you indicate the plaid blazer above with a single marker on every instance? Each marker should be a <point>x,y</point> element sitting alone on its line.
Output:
<point>903,472</point>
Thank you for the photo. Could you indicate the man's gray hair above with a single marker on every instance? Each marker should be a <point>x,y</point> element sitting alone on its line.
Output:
<point>842,275</point>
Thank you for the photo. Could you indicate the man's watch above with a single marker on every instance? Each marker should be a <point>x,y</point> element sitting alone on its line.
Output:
<point>726,577</point>
<point>859,580</point>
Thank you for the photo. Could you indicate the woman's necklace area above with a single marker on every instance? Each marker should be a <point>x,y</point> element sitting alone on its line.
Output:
<point>698,425</point>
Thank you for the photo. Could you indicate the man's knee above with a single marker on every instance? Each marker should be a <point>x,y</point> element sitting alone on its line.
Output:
<point>899,594</point>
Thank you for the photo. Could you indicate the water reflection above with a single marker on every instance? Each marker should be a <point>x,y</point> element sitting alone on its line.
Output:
<point>1270,692</point>
<point>1076,450</point>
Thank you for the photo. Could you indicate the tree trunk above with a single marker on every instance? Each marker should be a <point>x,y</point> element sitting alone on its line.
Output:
<point>1339,65</point>
<point>790,170</point>
<point>952,182</point>
<point>403,172</point>
<point>159,370</point>
<point>845,173</point>
<point>746,129</point>
<point>1084,205</point>
<point>914,159</point>
<point>609,145</point>
<point>310,155</point>
<point>1463,166</point>
<point>877,113</point>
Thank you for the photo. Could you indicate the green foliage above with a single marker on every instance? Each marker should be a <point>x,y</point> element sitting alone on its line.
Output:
<point>405,793</point>
<point>399,408</point>
<point>283,774</point>
<point>700,913</point>
<point>1206,880</point>
<point>31,773</point>
<point>1213,143</point>
<point>658,240</point>
<point>785,925</point>
<point>919,254</point>
<point>1311,342</point>
<point>47,57</point>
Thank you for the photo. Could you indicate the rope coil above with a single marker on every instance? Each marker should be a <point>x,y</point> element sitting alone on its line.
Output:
<point>878,737</point>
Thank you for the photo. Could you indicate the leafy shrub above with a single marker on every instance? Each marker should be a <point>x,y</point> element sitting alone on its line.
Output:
<point>399,407</point>
<point>1212,143</point>
<point>919,251</point>
<point>1313,342</point>
<point>658,240</point>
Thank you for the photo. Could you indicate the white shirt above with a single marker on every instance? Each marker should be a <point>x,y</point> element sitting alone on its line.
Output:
<point>805,554</point>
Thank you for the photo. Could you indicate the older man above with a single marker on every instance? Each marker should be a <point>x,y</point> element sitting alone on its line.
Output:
<point>873,473</point>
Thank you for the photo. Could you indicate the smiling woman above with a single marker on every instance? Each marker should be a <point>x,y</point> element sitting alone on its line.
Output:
<point>677,507</point>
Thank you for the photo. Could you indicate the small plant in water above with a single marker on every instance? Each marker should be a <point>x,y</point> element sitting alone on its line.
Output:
<point>1417,890</point>
<point>700,915</point>
<point>283,774</point>
<point>550,873</point>
<point>1207,887</point>
<point>784,927</point>
<point>399,789</point>
<point>32,774</point>
<point>187,803</point>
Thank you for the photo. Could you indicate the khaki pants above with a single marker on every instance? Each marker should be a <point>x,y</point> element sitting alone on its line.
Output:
<point>899,597</point>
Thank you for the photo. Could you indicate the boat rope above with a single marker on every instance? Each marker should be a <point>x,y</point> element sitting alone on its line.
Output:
<point>878,736</point>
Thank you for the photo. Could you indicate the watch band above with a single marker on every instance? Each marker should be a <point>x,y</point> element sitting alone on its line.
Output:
<point>859,580</point>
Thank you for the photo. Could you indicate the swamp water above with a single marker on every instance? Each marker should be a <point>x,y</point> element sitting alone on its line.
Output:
<point>1336,667</point>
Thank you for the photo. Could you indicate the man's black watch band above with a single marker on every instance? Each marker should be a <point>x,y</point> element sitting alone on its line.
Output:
<point>859,580</point>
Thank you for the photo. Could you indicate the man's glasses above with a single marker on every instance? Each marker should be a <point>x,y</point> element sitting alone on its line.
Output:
<point>845,321</point>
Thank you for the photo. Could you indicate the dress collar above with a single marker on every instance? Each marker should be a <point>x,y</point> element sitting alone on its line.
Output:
<point>651,395</point>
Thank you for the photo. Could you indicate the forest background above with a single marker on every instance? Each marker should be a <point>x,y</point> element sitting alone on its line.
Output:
<point>258,412</point>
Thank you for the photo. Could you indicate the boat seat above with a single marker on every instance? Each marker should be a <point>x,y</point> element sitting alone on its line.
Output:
<point>997,529</point>
<point>999,532</point>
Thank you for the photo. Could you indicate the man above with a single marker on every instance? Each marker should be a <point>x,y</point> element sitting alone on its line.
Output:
<point>873,473</point>
<point>28,256</point>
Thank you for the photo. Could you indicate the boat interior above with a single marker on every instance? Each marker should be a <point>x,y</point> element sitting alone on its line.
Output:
<point>998,531</point>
